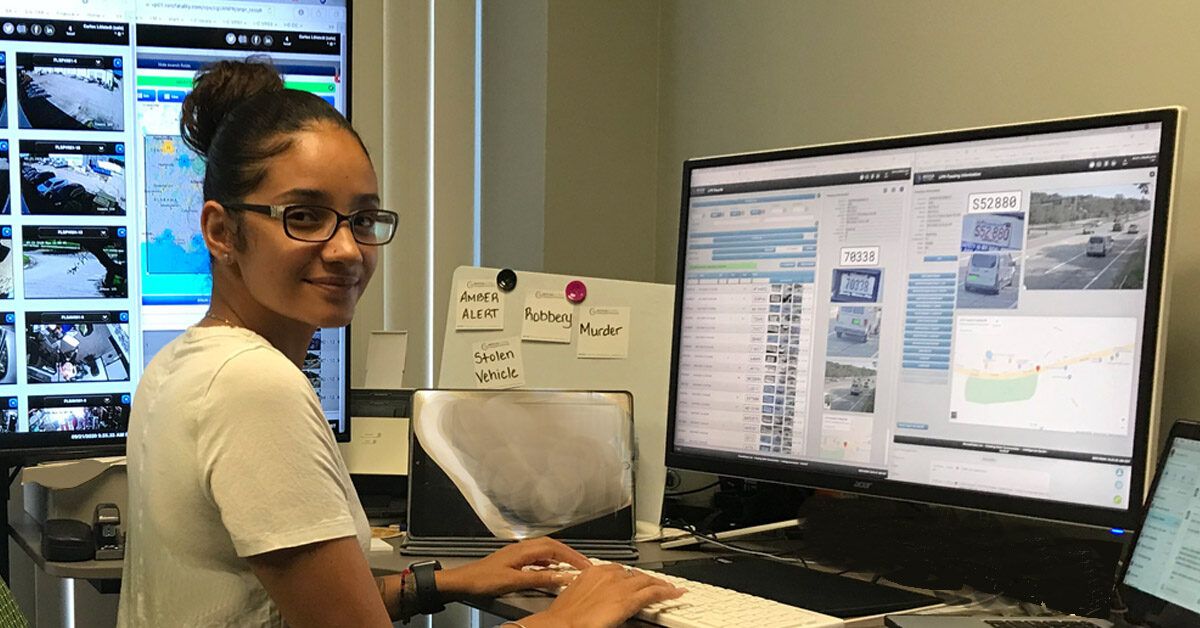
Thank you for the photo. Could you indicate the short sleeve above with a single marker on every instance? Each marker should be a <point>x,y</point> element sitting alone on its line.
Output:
<point>268,460</point>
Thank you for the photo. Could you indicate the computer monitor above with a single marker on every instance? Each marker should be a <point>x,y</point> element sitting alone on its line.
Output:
<point>101,260</point>
<point>971,318</point>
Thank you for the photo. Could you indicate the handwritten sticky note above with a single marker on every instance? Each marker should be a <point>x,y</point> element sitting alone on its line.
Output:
<point>547,317</point>
<point>478,305</point>
<point>603,332</point>
<point>498,363</point>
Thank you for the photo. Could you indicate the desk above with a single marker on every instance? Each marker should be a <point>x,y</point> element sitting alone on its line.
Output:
<point>105,575</point>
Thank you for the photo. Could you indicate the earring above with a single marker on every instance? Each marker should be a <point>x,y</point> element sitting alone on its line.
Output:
<point>227,259</point>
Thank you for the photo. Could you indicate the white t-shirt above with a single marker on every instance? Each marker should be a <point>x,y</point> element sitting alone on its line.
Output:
<point>229,456</point>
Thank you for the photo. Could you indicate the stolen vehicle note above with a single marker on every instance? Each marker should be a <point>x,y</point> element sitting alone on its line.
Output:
<point>547,317</point>
<point>498,363</point>
<point>603,332</point>
<point>478,305</point>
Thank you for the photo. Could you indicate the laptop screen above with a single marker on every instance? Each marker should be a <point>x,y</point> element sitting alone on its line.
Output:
<point>507,465</point>
<point>1165,563</point>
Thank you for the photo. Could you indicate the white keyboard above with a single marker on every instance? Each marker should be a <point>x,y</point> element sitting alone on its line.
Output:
<point>708,606</point>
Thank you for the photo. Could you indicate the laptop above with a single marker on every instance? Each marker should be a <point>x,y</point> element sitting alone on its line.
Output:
<point>1160,580</point>
<point>491,467</point>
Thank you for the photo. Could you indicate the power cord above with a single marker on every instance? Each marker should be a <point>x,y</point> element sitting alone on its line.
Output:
<point>694,490</point>
<point>711,538</point>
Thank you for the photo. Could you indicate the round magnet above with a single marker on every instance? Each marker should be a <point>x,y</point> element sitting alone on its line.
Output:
<point>576,291</point>
<point>506,280</point>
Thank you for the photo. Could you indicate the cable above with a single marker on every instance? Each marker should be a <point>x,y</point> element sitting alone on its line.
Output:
<point>708,537</point>
<point>694,490</point>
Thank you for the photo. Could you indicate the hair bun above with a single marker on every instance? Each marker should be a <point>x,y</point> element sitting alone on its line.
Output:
<point>218,89</point>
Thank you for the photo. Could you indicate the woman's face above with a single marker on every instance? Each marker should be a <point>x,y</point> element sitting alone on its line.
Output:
<point>317,283</point>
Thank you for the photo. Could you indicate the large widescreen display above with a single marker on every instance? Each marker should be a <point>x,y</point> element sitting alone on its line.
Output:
<point>101,259</point>
<point>968,318</point>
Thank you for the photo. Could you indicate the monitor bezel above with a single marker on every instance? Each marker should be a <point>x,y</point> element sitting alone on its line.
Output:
<point>1152,334</point>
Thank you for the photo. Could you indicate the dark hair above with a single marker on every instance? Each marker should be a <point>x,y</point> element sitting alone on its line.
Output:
<point>238,115</point>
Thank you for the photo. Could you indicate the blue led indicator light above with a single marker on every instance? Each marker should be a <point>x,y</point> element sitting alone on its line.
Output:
<point>121,232</point>
<point>124,316</point>
<point>124,398</point>
<point>1117,532</point>
<point>12,402</point>
<point>6,232</point>
<point>10,318</point>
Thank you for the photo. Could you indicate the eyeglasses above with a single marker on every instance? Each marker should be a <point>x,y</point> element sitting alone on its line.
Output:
<point>316,223</point>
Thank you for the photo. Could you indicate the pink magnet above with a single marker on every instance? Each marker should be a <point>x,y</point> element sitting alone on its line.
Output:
<point>576,291</point>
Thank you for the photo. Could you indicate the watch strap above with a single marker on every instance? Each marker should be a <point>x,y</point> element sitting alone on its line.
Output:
<point>429,601</point>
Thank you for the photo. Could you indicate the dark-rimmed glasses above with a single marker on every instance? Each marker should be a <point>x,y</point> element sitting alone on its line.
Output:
<point>317,223</point>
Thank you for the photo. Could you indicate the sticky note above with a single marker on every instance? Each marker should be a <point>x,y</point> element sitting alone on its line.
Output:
<point>603,332</point>
<point>547,317</point>
<point>478,305</point>
<point>498,363</point>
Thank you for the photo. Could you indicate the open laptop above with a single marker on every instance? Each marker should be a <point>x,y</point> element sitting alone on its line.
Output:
<point>491,467</point>
<point>1160,580</point>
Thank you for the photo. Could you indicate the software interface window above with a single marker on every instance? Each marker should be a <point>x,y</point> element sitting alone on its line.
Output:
<point>965,316</point>
<point>101,260</point>
<point>1168,536</point>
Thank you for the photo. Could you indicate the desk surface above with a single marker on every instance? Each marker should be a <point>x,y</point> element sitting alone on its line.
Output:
<point>28,534</point>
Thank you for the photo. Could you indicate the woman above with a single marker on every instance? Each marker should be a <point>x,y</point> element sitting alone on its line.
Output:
<point>241,509</point>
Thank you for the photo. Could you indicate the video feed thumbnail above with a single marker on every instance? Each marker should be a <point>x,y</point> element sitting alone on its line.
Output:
<point>6,262</point>
<point>73,178</point>
<point>80,413</point>
<point>8,348</point>
<point>3,90</point>
<point>70,92</point>
<point>5,192</point>
<point>77,347</point>
<point>9,420</point>
<point>75,262</point>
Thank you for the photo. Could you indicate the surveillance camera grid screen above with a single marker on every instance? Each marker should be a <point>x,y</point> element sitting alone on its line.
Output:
<point>101,259</point>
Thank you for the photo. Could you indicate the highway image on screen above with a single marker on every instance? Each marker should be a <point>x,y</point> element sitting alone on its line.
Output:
<point>70,92</point>
<point>850,385</point>
<point>1067,374</point>
<point>1088,238</point>
<point>75,262</point>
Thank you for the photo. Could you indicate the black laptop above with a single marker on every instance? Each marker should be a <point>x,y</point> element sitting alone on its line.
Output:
<point>491,467</point>
<point>1160,580</point>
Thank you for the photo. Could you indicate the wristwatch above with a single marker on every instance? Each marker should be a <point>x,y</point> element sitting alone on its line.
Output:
<point>428,599</point>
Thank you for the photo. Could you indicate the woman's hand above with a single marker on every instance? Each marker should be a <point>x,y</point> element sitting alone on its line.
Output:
<point>602,597</point>
<point>501,572</point>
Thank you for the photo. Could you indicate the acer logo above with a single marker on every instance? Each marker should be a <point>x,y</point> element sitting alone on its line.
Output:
<point>861,484</point>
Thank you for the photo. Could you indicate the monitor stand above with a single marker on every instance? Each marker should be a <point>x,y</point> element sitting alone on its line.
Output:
<point>795,585</point>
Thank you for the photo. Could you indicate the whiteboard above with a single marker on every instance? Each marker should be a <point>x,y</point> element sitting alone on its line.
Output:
<point>645,372</point>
